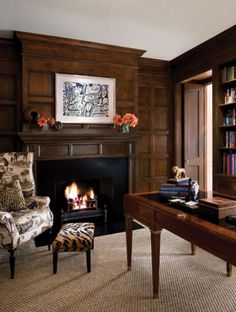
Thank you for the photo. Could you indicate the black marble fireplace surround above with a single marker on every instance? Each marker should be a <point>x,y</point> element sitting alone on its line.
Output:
<point>108,176</point>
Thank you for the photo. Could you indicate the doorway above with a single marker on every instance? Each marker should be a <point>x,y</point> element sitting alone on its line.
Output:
<point>196,128</point>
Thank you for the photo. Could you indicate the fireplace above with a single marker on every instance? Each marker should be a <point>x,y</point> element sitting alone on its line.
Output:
<point>107,177</point>
<point>104,158</point>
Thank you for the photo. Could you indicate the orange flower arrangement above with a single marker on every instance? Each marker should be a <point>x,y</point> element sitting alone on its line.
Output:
<point>42,121</point>
<point>128,120</point>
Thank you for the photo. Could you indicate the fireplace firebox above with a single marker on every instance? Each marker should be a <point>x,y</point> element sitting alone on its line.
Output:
<point>105,179</point>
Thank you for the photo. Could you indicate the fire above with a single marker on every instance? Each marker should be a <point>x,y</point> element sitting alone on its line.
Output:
<point>78,198</point>
<point>71,191</point>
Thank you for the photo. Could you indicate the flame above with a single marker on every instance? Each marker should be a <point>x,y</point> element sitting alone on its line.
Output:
<point>71,191</point>
<point>91,194</point>
<point>75,198</point>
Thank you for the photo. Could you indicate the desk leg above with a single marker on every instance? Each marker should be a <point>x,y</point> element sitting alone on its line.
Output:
<point>229,269</point>
<point>129,236</point>
<point>193,248</point>
<point>155,245</point>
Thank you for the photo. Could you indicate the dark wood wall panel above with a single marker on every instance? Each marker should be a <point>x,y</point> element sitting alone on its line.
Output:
<point>41,84</point>
<point>217,50</point>
<point>8,143</point>
<point>8,117</point>
<point>154,148</point>
<point>9,95</point>
<point>8,87</point>
<point>144,169</point>
<point>38,86</point>
<point>126,90</point>
<point>142,88</point>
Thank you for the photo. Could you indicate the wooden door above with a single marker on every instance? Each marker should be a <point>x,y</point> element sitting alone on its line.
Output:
<point>194,134</point>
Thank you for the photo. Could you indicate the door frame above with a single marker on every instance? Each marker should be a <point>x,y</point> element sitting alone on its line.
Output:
<point>179,121</point>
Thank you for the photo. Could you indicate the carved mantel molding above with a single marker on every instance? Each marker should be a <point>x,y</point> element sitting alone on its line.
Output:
<point>85,143</point>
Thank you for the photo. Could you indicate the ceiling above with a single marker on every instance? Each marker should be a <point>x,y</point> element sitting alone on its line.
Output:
<point>164,28</point>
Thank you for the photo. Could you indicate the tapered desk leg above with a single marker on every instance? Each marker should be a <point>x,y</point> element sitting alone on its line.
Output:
<point>155,245</point>
<point>193,248</point>
<point>129,235</point>
<point>229,269</point>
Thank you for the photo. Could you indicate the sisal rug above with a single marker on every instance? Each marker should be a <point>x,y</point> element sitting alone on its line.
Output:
<point>187,283</point>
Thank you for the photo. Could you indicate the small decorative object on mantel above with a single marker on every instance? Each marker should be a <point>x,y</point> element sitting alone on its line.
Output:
<point>58,125</point>
<point>31,116</point>
<point>125,122</point>
<point>46,123</point>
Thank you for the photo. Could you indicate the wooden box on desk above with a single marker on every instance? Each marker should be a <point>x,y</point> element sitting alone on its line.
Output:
<point>216,207</point>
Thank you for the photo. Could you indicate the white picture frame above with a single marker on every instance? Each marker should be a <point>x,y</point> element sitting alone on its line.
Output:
<point>84,99</point>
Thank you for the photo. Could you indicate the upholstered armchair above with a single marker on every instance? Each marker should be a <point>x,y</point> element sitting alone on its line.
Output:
<point>23,215</point>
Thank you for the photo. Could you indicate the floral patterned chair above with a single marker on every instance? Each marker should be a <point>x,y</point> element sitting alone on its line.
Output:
<point>22,214</point>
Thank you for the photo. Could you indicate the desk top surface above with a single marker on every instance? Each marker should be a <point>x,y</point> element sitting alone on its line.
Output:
<point>181,212</point>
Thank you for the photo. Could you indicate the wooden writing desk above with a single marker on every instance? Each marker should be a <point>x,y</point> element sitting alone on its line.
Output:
<point>145,208</point>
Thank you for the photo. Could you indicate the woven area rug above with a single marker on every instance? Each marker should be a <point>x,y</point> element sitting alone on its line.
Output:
<point>187,283</point>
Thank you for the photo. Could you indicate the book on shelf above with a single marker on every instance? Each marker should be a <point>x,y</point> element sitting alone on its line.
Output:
<point>228,73</point>
<point>230,95</point>
<point>229,163</point>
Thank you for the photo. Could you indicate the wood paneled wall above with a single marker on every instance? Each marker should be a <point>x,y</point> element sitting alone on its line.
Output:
<point>142,87</point>
<point>155,114</point>
<point>211,55</point>
<point>9,95</point>
<point>43,56</point>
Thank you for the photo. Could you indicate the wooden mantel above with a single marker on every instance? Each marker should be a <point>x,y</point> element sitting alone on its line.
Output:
<point>84,143</point>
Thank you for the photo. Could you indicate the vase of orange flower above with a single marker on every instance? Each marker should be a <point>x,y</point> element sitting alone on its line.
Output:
<point>125,122</point>
<point>46,123</point>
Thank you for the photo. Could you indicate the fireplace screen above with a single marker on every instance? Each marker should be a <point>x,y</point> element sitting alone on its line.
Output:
<point>80,197</point>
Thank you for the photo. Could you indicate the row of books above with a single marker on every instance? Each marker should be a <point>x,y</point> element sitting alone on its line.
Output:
<point>230,139</point>
<point>182,189</point>
<point>228,73</point>
<point>229,117</point>
<point>230,95</point>
<point>229,164</point>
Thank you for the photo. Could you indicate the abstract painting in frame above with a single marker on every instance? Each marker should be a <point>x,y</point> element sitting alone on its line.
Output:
<point>85,99</point>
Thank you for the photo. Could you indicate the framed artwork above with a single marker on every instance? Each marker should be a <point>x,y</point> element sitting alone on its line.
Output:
<point>84,99</point>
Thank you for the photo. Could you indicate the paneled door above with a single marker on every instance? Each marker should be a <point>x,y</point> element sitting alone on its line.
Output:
<point>194,133</point>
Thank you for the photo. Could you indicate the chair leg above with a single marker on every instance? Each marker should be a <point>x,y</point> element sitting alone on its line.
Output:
<point>88,260</point>
<point>55,258</point>
<point>12,263</point>
<point>49,240</point>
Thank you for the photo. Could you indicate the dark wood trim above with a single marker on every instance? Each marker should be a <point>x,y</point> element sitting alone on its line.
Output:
<point>217,50</point>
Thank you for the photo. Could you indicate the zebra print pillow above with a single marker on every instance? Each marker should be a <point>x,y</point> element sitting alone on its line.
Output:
<point>11,197</point>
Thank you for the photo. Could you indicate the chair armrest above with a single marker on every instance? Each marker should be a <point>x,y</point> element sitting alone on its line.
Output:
<point>38,200</point>
<point>11,236</point>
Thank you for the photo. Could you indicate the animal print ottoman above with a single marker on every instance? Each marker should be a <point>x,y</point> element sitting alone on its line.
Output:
<point>74,237</point>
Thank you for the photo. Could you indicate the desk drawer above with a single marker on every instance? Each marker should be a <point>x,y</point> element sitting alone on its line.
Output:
<point>140,212</point>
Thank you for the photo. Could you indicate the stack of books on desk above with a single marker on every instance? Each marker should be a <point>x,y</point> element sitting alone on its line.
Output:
<point>181,188</point>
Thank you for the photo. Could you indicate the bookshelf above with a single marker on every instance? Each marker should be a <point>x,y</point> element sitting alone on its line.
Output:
<point>227,121</point>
